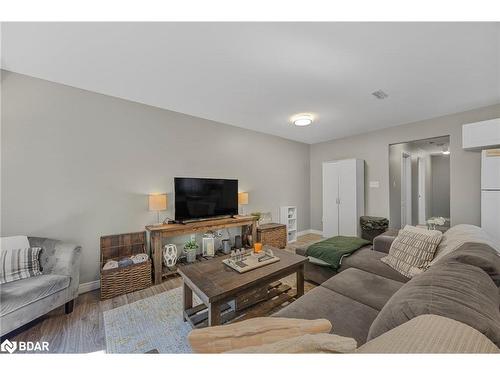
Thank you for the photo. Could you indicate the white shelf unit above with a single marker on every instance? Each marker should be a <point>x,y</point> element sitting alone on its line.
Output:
<point>288,216</point>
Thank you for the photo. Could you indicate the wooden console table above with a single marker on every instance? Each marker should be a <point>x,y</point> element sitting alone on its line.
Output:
<point>159,232</point>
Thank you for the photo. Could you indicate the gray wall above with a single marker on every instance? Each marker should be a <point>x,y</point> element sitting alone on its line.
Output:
<point>374,149</point>
<point>77,165</point>
<point>440,185</point>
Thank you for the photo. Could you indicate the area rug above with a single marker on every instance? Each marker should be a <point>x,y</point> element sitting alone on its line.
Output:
<point>152,324</point>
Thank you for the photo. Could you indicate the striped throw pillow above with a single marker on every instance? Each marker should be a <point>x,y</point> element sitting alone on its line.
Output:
<point>17,264</point>
<point>413,250</point>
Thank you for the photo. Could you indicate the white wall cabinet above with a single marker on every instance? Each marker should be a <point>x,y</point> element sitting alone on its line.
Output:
<point>343,197</point>
<point>483,134</point>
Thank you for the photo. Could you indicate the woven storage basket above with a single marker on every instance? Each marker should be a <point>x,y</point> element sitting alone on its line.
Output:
<point>272,235</point>
<point>122,280</point>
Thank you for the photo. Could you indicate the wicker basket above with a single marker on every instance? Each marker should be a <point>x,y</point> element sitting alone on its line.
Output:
<point>272,234</point>
<point>122,280</point>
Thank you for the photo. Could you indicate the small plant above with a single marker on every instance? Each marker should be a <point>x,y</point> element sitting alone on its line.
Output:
<point>257,214</point>
<point>191,245</point>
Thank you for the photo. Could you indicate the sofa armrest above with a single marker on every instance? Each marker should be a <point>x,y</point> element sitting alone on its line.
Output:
<point>60,258</point>
<point>67,263</point>
<point>383,242</point>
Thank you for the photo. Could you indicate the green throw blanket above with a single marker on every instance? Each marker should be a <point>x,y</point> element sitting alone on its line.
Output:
<point>332,250</point>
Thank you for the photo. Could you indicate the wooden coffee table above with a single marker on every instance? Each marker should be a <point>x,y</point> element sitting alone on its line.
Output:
<point>216,284</point>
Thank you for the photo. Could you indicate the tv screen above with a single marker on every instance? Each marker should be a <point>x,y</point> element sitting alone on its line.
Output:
<point>199,198</point>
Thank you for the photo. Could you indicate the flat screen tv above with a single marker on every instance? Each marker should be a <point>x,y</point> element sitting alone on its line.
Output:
<point>202,198</point>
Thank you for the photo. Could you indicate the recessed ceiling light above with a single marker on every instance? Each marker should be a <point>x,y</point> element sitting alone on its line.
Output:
<point>303,119</point>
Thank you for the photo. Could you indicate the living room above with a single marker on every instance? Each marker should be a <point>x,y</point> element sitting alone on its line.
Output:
<point>250,187</point>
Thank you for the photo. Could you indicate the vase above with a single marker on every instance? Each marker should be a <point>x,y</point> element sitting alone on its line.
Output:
<point>190,255</point>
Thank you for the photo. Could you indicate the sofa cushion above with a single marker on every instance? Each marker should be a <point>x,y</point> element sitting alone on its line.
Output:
<point>17,294</point>
<point>458,235</point>
<point>430,334</point>
<point>459,291</point>
<point>348,317</point>
<point>413,250</point>
<point>369,289</point>
<point>369,261</point>
<point>479,255</point>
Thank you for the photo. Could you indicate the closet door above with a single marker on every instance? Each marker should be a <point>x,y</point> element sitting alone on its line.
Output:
<point>330,199</point>
<point>348,223</point>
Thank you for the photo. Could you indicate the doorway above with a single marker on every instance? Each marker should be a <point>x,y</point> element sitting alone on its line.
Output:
<point>419,176</point>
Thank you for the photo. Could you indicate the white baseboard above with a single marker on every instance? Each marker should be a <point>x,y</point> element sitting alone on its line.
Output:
<point>87,287</point>
<point>310,231</point>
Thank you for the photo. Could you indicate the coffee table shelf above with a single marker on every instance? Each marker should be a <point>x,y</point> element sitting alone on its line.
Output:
<point>216,283</point>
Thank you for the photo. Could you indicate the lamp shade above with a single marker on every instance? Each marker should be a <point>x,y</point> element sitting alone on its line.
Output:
<point>158,202</point>
<point>243,198</point>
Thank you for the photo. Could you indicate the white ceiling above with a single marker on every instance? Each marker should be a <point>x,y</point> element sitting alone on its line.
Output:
<point>257,75</point>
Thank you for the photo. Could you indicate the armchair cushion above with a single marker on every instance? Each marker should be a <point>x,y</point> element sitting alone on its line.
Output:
<point>20,293</point>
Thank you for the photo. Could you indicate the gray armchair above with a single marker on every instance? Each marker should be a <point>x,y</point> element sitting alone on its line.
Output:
<point>24,300</point>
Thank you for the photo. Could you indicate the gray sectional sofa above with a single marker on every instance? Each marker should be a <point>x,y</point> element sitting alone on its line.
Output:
<point>24,300</point>
<point>367,298</point>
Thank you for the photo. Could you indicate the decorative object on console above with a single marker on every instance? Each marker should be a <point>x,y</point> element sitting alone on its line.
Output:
<point>170,255</point>
<point>265,218</point>
<point>158,202</point>
<point>237,242</point>
<point>243,201</point>
<point>226,246</point>
<point>190,248</point>
<point>208,245</point>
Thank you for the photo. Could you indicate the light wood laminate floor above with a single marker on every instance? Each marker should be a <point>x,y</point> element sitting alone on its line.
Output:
<point>82,331</point>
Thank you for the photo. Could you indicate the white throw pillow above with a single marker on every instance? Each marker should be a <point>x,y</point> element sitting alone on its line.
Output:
<point>14,242</point>
<point>413,250</point>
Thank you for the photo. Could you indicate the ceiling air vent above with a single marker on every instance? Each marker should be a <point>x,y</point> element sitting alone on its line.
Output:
<point>379,94</point>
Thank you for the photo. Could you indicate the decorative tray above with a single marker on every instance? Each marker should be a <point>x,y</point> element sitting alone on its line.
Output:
<point>250,261</point>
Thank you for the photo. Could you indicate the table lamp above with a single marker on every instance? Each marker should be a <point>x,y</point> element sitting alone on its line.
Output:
<point>242,200</point>
<point>158,202</point>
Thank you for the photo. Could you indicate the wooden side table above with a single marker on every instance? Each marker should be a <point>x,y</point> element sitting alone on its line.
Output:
<point>272,234</point>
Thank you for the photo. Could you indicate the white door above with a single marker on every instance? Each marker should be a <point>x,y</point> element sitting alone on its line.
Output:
<point>348,220</point>
<point>405,189</point>
<point>422,215</point>
<point>330,199</point>
<point>490,213</point>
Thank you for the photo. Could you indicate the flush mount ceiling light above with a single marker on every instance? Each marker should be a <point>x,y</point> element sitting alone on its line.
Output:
<point>446,150</point>
<point>303,119</point>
